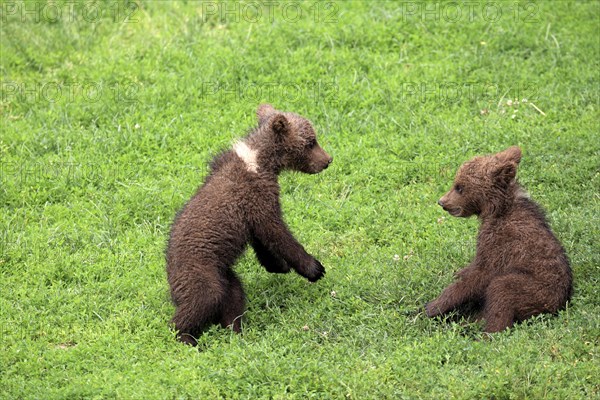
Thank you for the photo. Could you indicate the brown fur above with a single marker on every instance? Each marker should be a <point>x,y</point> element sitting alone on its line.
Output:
<point>239,204</point>
<point>520,268</point>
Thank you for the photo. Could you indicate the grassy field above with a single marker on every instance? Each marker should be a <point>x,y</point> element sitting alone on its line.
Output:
<point>110,112</point>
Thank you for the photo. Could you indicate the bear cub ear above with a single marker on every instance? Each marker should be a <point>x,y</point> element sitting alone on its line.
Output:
<point>510,155</point>
<point>264,111</point>
<point>280,125</point>
<point>507,164</point>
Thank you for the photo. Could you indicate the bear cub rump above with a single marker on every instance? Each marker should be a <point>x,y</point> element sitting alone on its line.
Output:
<point>520,268</point>
<point>239,204</point>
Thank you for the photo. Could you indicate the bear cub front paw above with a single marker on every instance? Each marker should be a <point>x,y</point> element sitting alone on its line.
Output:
<point>432,309</point>
<point>316,271</point>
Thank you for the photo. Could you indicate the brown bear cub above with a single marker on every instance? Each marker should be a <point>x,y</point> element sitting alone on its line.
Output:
<point>239,204</point>
<point>520,268</point>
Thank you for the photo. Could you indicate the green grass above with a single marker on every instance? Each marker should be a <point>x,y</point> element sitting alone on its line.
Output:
<point>107,127</point>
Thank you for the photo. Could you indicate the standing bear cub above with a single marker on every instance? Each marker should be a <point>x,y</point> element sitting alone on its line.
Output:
<point>239,204</point>
<point>520,268</point>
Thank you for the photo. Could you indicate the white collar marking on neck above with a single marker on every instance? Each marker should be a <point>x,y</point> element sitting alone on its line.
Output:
<point>247,155</point>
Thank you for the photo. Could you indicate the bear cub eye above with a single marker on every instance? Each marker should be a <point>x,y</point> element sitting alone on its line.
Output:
<point>458,188</point>
<point>311,143</point>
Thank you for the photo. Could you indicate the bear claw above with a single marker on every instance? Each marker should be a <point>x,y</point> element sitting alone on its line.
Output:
<point>318,271</point>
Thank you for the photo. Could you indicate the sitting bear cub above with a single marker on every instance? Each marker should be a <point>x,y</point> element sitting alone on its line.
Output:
<point>520,268</point>
<point>239,204</point>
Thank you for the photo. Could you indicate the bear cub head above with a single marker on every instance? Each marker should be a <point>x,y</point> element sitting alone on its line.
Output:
<point>483,185</point>
<point>283,140</point>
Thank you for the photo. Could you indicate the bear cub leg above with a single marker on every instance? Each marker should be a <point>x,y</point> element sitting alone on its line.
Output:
<point>514,297</point>
<point>271,262</point>
<point>467,289</point>
<point>282,244</point>
<point>233,303</point>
